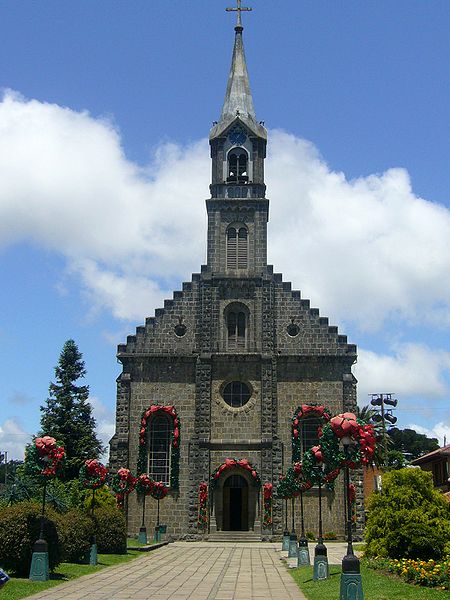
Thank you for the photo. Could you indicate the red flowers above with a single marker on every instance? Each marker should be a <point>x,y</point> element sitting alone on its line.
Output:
<point>93,474</point>
<point>345,425</point>
<point>232,462</point>
<point>144,485</point>
<point>267,496</point>
<point>202,519</point>
<point>122,484</point>
<point>159,490</point>
<point>50,455</point>
<point>317,453</point>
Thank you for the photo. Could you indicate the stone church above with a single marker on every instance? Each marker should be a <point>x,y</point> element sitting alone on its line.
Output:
<point>210,385</point>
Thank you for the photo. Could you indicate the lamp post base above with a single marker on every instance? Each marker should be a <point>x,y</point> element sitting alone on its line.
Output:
<point>157,536</point>
<point>285,545</point>
<point>351,587</point>
<point>39,570</point>
<point>142,538</point>
<point>303,552</point>
<point>321,569</point>
<point>293,549</point>
<point>93,554</point>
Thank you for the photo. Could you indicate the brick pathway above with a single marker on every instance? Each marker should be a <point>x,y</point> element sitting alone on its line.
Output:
<point>189,570</point>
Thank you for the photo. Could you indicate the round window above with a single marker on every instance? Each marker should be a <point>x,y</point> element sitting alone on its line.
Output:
<point>293,329</point>
<point>236,394</point>
<point>180,330</point>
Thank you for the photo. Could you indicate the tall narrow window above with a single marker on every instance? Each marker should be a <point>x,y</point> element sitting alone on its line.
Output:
<point>242,248</point>
<point>237,247</point>
<point>309,429</point>
<point>159,449</point>
<point>237,166</point>
<point>236,329</point>
<point>231,248</point>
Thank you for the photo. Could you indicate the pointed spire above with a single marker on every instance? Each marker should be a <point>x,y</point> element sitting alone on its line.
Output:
<point>238,97</point>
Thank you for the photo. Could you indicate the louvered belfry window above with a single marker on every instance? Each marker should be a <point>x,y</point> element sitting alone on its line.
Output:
<point>237,330</point>
<point>159,449</point>
<point>237,248</point>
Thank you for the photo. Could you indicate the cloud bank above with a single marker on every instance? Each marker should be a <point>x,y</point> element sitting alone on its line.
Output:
<point>368,252</point>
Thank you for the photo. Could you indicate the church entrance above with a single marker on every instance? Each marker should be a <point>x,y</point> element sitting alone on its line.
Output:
<point>235,504</point>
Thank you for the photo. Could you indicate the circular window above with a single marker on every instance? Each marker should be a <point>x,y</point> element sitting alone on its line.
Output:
<point>180,330</point>
<point>293,329</point>
<point>236,394</point>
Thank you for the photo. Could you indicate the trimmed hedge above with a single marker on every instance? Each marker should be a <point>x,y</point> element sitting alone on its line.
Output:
<point>111,530</point>
<point>75,531</point>
<point>19,530</point>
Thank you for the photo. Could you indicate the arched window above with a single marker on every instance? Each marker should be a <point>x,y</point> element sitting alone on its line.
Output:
<point>236,323</point>
<point>159,449</point>
<point>309,433</point>
<point>237,247</point>
<point>237,166</point>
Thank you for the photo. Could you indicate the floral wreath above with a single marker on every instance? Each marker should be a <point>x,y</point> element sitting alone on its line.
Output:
<point>175,442</point>
<point>362,434</point>
<point>293,483</point>
<point>233,462</point>
<point>313,471</point>
<point>202,519</point>
<point>144,485</point>
<point>159,490</point>
<point>305,411</point>
<point>122,484</point>
<point>267,499</point>
<point>93,474</point>
<point>45,457</point>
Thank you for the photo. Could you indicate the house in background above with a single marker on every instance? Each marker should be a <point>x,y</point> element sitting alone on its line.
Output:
<point>438,462</point>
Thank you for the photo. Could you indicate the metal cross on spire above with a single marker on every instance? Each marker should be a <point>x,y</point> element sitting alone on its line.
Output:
<point>239,9</point>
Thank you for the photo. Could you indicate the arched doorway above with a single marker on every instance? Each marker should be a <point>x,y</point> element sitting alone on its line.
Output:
<point>235,503</point>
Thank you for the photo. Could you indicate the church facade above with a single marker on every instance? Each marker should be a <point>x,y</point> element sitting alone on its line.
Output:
<point>210,385</point>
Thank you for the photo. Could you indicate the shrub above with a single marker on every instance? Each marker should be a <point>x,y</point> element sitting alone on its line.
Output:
<point>110,530</point>
<point>19,529</point>
<point>329,535</point>
<point>75,530</point>
<point>408,518</point>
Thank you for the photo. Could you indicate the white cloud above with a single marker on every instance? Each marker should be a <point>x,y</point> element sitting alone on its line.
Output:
<point>105,419</point>
<point>365,250</point>
<point>13,439</point>
<point>441,431</point>
<point>411,370</point>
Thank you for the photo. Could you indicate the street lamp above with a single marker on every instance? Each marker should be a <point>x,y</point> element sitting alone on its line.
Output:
<point>285,546</point>
<point>351,583</point>
<point>303,550</point>
<point>39,570</point>
<point>321,570</point>
<point>293,549</point>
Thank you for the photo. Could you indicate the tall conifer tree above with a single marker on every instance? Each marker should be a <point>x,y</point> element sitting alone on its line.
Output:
<point>67,414</point>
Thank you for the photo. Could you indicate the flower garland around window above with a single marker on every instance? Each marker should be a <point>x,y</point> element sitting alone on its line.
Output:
<point>175,442</point>
<point>318,411</point>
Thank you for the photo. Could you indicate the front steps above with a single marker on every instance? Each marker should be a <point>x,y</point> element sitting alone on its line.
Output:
<point>234,536</point>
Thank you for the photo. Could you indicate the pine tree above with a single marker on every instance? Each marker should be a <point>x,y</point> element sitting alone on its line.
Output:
<point>67,414</point>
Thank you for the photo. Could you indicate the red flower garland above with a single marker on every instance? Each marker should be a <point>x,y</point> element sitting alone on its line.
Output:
<point>305,411</point>
<point>93,474</point>
<point>202,519</point>
<point>46,455</point>
<point>267,497</point>
<point>347,425</point>
<point>122,484</point>
<point>233,462</point>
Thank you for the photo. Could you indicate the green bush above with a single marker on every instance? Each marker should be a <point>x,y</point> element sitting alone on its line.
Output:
<point>408,518</point>
<point>19,529</point>
<point>111,530</point>
<point>75,529</point>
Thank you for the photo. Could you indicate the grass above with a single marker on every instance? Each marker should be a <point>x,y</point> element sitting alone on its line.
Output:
<point>376,586</point>
<point>18,588</point>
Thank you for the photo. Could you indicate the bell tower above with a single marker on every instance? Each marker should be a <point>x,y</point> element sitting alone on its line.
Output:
<point>238,208</point>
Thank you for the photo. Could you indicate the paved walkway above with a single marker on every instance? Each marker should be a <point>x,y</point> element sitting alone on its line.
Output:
<point>194,571</point>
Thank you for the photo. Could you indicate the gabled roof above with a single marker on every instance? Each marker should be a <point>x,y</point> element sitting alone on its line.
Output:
<point>444,451</point>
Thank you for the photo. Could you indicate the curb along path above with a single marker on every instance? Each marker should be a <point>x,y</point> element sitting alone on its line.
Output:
<point>189,570</point>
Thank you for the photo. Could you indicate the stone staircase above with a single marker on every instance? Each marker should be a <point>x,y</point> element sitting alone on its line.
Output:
<point>234,536</point>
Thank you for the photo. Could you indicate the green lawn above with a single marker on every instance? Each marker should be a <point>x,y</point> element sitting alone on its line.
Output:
<point>375,585</point>
<point>21,588</point>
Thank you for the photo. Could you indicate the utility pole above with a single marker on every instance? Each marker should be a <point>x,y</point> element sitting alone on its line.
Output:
<point>385,414</point>
<point>4,456</point>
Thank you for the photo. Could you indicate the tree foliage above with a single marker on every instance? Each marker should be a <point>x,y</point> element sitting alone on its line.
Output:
<point>410,443</point>
<point>408,518</point>
<point>67,414</point>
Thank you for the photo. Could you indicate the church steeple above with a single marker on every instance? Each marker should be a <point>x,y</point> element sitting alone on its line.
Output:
<point>238,209</point>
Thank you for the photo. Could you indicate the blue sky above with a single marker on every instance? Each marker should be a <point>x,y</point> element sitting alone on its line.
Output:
<point>104,168</point>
